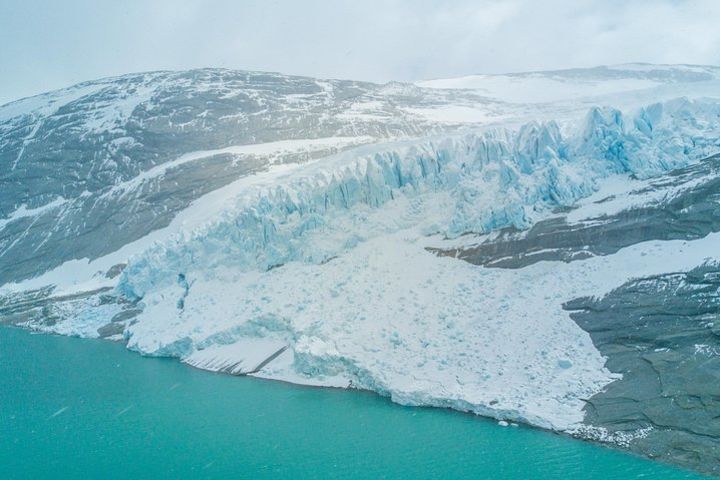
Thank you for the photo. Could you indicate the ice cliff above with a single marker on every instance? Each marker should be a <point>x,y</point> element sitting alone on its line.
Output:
<point>491,180</point>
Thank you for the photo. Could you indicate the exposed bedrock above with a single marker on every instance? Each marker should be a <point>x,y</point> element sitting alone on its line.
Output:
<point>663,335</point>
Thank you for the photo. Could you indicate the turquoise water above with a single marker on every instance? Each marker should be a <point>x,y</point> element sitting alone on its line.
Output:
<point>73,408</point>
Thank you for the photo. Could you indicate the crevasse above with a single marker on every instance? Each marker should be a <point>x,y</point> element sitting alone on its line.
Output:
<point>490,180</point>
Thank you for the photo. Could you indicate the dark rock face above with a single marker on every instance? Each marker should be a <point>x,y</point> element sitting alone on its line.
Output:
<point>690,210</point>
<point>663,335</point>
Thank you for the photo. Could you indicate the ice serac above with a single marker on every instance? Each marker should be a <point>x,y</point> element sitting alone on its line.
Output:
<point>500,178</point>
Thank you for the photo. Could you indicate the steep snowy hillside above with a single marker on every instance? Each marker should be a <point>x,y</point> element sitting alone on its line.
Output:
<point>458,243</point>
<point>88,169</point>
<point>628,80</point>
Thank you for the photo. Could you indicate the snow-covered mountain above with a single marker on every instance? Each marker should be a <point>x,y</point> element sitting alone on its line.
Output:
<point>456,243</point>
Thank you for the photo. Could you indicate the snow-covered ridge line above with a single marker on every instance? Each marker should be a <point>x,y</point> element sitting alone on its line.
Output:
<point>489,180</point>
<point>256,149</point>
<point>582,83</point>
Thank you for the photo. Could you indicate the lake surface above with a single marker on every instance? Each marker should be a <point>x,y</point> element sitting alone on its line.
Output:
<point>74,408</point>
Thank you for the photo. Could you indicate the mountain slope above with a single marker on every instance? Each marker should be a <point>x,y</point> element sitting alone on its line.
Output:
<point>88,169</point>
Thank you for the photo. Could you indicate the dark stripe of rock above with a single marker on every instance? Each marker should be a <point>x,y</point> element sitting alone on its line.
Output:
<point>691,214</point>
<point>663,335</point>
<point>41,309</point>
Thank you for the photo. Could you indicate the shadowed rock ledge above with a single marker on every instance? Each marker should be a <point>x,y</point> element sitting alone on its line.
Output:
<point>663,335</point>
<point>690,209</point>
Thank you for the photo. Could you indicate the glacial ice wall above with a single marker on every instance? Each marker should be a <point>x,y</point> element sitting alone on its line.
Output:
<point>488,180</point>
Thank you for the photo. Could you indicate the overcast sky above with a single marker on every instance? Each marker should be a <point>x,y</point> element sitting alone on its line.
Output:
<point>50,44</point>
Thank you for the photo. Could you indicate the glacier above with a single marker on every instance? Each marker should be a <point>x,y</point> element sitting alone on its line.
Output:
<point>486,181</point>
<point>325,270</point>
